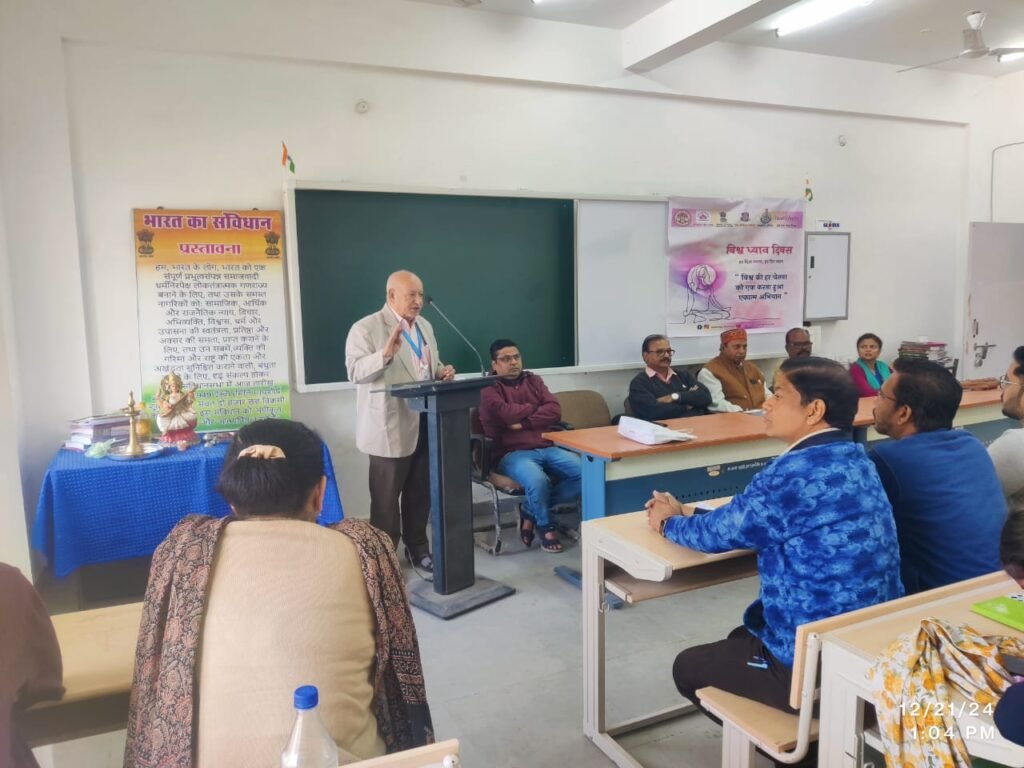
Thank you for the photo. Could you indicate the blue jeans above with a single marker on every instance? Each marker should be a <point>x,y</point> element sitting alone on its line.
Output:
<point>549,476</point>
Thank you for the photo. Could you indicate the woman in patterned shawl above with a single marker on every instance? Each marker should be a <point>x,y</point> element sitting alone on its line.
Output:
<point>240,611</point>
<point>821,525</point>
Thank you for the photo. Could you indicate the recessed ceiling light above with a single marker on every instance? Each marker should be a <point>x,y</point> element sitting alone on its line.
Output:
<point>815,12</point>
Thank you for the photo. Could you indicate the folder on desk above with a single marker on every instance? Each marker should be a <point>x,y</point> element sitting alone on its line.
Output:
<point>649,433</point>
<point>1008,610</point>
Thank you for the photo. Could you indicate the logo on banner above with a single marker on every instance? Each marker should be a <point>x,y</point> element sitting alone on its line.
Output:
<point>680,218</point>
<point>766,218</point>
<point>794,219</point>
<point>703,217</point>
<point>745,217</point>
<point>722,218</point>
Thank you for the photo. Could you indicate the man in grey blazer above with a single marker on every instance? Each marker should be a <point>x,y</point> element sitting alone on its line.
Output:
<point>396,346</point>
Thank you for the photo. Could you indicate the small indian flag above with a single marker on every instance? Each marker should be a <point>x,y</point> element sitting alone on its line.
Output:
<point>808,192</point>
<point>286,159</point>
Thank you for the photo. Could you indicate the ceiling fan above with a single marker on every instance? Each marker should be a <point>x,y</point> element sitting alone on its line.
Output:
<point>974,44</point>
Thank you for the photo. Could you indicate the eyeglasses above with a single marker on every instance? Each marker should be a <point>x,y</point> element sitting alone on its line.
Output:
<point>509,358</point>
<point>1005,381</point>
<point>661,352</point>
<point>801,344</point>
<point>884,396</point>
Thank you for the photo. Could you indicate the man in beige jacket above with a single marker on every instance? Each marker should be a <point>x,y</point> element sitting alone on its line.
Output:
<point>396,346</point>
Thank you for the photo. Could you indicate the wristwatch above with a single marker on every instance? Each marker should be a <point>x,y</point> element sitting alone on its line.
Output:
<point>675,396</point>
<point>661,527</point>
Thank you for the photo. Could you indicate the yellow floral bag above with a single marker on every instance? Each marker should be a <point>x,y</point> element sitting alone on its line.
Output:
<point>912,684</point>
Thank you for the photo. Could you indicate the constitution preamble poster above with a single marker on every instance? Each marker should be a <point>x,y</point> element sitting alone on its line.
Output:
<point>212,309</point>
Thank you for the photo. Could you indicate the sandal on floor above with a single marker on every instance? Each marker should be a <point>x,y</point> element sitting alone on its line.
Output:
<point>550,543</point>
<point>526,535</point>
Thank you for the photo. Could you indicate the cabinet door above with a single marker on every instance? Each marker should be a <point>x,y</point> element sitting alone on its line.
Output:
<point>995,313</point>
<point>827,282</point>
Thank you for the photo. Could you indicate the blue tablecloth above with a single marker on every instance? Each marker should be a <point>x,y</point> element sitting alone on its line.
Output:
<point>98,510</point>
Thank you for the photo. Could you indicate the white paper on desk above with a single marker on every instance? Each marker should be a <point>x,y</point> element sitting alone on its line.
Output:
<point>650,434</point>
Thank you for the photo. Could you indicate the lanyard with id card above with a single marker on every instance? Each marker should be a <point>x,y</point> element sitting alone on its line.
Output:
<point>419,349</point>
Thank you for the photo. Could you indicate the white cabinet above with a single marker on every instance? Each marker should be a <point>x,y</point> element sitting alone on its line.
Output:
<point>826,275</point>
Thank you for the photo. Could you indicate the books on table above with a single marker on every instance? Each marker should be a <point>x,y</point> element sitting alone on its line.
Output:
<point>96,429</point>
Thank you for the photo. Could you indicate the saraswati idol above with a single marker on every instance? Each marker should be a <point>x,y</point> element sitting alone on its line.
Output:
<point>176,415</point>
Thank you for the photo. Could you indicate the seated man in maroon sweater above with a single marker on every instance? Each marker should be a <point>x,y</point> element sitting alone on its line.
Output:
<point>515,413</point>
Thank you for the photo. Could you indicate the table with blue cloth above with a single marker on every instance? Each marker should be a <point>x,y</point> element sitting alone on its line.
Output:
<point>99,510</point>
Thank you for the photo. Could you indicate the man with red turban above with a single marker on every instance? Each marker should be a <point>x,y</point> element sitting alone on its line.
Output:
<point>735,384</point>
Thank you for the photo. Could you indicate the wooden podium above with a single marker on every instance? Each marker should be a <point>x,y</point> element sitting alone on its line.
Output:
<point>446,405</point>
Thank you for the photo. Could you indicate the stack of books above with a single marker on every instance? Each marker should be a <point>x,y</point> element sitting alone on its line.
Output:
<point>927,350</point>
<point>97,429</point>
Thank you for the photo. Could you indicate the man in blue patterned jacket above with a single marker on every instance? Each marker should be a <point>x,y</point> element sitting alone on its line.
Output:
<point>821,525</point>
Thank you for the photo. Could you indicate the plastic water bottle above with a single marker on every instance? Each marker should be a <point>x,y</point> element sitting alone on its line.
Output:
<point>310,745</point>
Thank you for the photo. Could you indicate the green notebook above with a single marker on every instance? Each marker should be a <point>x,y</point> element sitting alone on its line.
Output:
<point>1008,610</point>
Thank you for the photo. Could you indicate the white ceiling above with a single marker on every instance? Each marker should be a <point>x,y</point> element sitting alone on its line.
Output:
<point>887,31</point>
<point>890,31</point>
<point>615,14</point>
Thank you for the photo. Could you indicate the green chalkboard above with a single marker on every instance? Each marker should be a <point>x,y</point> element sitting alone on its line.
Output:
<point>497,266</point>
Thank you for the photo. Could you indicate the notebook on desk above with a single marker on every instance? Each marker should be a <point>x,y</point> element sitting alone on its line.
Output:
<point>1008,610</point>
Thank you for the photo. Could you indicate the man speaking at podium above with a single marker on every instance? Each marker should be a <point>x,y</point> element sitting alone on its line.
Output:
<point>396,346</point>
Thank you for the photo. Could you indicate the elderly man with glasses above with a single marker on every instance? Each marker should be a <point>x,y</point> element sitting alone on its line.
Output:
<point>735,383</point>
<point>945,496</point>
<point>1007,451</point>
<point>661,392</point>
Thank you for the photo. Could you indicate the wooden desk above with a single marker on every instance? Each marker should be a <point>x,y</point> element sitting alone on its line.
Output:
<point>430,756</point>
<point>618,475</point>
<point>981,413</point>
<point>848,653</point>
<point>98,651</point>
<point>650,567</point>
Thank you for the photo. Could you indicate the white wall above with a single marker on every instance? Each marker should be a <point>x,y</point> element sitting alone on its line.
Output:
<point>890,184</point>
<point>139,105</point>
<point>1008,192</point>
<point>12,520</point>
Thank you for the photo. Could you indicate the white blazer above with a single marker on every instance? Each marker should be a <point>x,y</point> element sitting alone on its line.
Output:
<point>385,425</point>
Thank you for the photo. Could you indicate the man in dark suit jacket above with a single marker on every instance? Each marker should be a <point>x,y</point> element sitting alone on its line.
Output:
<point>661,392</point>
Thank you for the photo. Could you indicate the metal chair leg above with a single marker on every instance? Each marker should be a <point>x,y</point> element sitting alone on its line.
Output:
<point>496,509</point>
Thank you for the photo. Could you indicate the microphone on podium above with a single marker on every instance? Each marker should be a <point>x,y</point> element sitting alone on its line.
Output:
<point>431,302</point>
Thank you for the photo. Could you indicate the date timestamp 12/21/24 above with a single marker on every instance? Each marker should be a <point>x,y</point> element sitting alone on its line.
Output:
<point>952,709</point>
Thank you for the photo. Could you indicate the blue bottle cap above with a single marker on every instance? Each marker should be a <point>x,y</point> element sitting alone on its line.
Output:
<point>306,697</point>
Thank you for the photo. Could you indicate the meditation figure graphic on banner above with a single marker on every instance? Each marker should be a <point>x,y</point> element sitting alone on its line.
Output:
<point>175,415</point>
<point>734,264</point>
<point>701,304</point>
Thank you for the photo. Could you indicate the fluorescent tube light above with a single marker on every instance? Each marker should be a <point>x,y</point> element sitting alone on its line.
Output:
<point>815,12</point>
<point>1006,58</point>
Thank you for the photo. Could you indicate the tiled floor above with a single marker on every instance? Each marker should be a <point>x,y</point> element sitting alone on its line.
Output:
<point>506,680</point>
